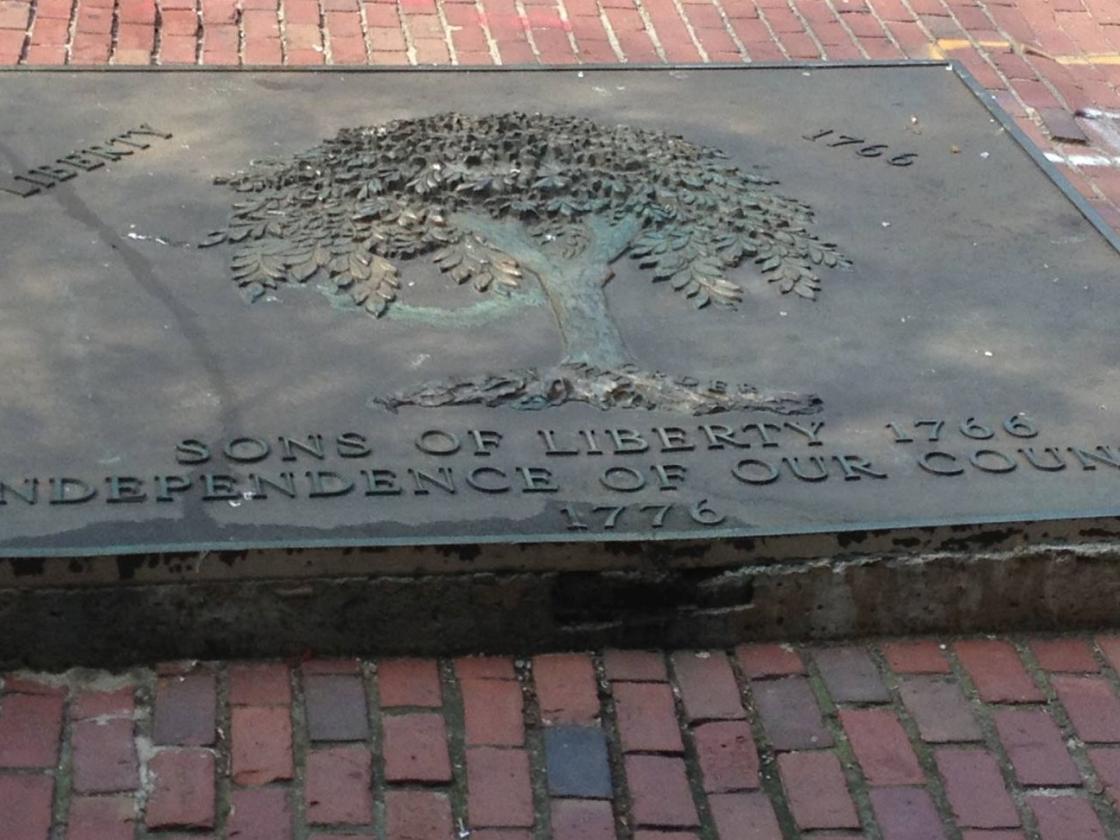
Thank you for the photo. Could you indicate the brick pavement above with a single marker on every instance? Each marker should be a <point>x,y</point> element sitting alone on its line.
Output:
<point>979,739</point>
<point>970,739</point>
<point>1045,60</point>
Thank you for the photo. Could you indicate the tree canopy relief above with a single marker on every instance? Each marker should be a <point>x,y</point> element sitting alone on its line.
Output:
<point>504,200</point>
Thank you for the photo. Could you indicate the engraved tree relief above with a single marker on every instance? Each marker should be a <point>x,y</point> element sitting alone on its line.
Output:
<point>504,200</point>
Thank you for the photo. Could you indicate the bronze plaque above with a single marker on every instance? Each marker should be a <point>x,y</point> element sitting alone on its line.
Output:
<point>329,308</point>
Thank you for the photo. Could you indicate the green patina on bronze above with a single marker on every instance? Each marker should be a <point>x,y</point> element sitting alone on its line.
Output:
<point>494,199</point>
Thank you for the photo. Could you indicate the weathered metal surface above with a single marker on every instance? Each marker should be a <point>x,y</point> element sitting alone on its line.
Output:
<point>562,305</point>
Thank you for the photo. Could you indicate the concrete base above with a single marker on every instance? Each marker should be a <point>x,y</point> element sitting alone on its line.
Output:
<point>516,599</point>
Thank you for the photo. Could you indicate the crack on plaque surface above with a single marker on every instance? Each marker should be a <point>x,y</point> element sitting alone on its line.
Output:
<point>502,201</point>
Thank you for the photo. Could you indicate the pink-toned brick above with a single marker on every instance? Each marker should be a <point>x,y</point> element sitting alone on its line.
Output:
<point>659,792</point>
<point>418,815</point>
<point>1065,817</point>
<point>260,814</point>
<point>582,819</point>
<point>707,685</point>
<point>101,818</point>
<point>501,795</point>
<point>25,803</point>
<point>728,756</point>
<point>1092,706</point>
<point>818,794</point>
<point>30,726</point>
<point>262,744</point>
<point>337,790</point>
<point>906,813</point>
<point>997,671</point>
<point>881,747</point>
<point>1036,748</point>
<point>769,660</point>
<point>647,720</point>
<point>409,682</point>
<point>567,689</point>
<point>182,793</point>
<point>975,789</point>
<point>415,749</point>
<point>185,708</point>
<point>104,756</point>
<point>492,710</point>
<point>917,657</point>
<point>749,816</point>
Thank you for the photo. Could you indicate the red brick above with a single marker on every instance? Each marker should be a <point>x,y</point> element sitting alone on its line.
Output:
<point>104,756</point>
<point>492,712</point>
<point>906,814</point>
<point>336,708</point>
<point>185,22</point>
<point>1035,746</point>
<point>1106,761</point>
<point>185,710</point>
<point>659,792</point>
<point>1092,706</point>
<point>136,11</point>
<point>135,36</point>
<point>1110,647</point>
<point>500,791</point>
<point>30,726</point>
<point>768,660</point>
<point>728,756</point>
<point>818,794</point>
<point>182,789</point>
<point>25,802</point>
<point>993,835</point>
<point>790,715</point>
<point>177,50</point>
<point>50,31</point>
<point>215,57</point>
<point>91,704</point>
<point>418,815</point>
<point>920,657</point>
<point>975,789</point>
<point>850,675</point>
<point>474,58</point>
<point>707,685</point>
<point>416,748</point>
<point>94,21</point>
<point>101,818</point>
<point>647,719</point>
<point>881,747</point>
<point>39,54</point>
<point>997,672</point>
<point>567,689</point>
<point>409,682</point>
<point>635,665</point>
<point>742,816</point>
<point>263,684</point>
<point>60,9</point>
<point>260,814</point>
<point>338,786</point>
<point>1065,817</point>
<point>340,665</point>
<point>648,835</point>
<point>14,15</point>
<point>939,709</point>
<point>262,744</point>
<point>267,50</point>
<point>582,819</point>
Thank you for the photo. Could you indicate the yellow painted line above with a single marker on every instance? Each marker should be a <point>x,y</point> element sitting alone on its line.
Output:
<point>1101,58</point>
<point>964,44</point>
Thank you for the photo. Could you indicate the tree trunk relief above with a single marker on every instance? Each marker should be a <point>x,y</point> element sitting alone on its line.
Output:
<point>596,368</point>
